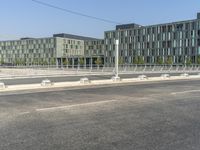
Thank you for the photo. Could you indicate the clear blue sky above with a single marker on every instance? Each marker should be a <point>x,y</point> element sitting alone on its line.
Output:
<point>22,18</point>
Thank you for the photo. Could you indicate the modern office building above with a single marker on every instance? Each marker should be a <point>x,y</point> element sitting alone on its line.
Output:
<point>176,42</point>
<point>91,50</point>
<point>170,43</point>
<point>61,49</point>
<point>29,51</point>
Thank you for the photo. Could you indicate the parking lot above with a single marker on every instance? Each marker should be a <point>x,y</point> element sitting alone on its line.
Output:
<point>140,116</point>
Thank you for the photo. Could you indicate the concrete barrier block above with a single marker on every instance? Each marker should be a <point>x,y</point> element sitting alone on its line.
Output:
<point>46,82</point>
<point>184,75</point>
<point>2,85</point>
<point>142,77</point>
<point>84,80</point>
<point>165,76</point>
<point>115,79</point>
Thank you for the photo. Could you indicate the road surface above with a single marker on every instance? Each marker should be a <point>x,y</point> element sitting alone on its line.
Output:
<point>142,116</point>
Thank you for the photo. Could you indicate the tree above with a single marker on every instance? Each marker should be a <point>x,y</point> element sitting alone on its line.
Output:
<point>198,60</point>
<point>17,62</point>
<point>41,62</point>
<point>188,61</point>
<point>1,61</point>
<point>45,63</point>
<point>66,63</point>
<point>159,60</point>
<point>35,61</point>
<point>135,60</point>
<point>98,62</point>
<point>169,60</point>
<point>182,60</point>
<point>140,60</point>
<point>81,61</point>
<point>20,61</point>
<point>121,61</point>
<point>23,62</point>
<point>52,61</point>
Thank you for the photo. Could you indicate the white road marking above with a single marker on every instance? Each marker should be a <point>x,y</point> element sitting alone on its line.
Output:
<point>184,92</point>
<point>75,105</point>
<point>24,113</point>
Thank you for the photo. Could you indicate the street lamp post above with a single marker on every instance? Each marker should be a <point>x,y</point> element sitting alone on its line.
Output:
<point>117,59</point>
<point>116,77</point>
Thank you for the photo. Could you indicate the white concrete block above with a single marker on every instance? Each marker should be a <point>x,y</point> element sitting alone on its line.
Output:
<point>184,75</point>
<point>2,85</point>
<point>116,79</point>
<point>84,80</point>
<point>142,77</point>
<point>46,82</point>
<point>165,76</point>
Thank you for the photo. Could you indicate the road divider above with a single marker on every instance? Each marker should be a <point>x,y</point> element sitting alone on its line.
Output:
<point>86,82</point>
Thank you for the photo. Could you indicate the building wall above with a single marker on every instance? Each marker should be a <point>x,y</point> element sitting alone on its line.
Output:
<point>69,47</point>
<point>94,48</point>
<point>27,51</point>
<point>39,51</point>
<point>179,40</point>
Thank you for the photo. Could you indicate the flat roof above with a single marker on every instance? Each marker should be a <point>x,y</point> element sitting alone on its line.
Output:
<point>71,36</point>
<point>146,26</point>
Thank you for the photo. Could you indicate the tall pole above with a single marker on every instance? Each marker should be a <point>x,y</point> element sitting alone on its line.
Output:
<point>117,59</point>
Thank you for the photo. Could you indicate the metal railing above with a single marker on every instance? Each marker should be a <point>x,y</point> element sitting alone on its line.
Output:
<point>122,68</point>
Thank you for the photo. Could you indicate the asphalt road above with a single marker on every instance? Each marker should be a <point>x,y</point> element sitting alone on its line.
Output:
<point>153,116</point>
<point>16,81</point>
